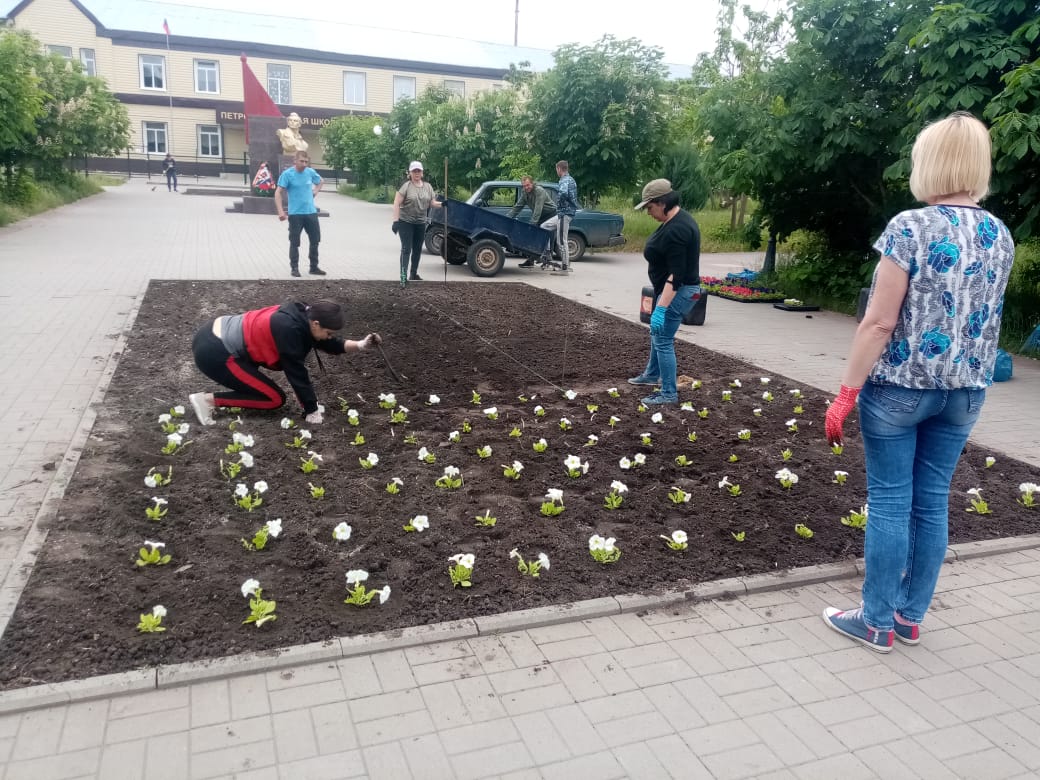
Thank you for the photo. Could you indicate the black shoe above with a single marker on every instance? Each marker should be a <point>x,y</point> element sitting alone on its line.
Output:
<point>315,271</point>
<point>527,264</point>
<point>415,278</point>
<point>295,272</point>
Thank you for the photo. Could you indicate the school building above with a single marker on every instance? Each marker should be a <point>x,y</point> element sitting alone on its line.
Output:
<point>178,71</point>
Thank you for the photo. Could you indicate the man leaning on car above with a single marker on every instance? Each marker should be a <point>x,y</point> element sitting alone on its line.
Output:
<point>541,205</point>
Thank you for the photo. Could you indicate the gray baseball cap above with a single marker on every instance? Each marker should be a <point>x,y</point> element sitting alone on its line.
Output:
<point>654,189</point>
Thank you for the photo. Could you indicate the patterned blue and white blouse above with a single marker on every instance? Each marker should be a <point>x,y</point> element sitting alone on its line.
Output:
<point>959,259</point>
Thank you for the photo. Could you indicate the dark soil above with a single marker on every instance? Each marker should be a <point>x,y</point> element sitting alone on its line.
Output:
<point>79,612</point>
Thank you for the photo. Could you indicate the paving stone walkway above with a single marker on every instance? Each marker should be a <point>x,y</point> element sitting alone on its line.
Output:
<point>749,687</point>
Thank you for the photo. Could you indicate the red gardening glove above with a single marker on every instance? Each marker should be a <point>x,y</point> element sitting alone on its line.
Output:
<point>838,411</point>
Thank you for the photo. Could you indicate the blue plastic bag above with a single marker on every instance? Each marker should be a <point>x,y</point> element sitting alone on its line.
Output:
<point>1002,368</point>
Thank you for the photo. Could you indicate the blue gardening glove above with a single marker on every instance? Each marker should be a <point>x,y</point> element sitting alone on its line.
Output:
<point>657,319</point>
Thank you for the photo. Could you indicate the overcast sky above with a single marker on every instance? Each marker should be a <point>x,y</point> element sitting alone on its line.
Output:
<point>682,28</point>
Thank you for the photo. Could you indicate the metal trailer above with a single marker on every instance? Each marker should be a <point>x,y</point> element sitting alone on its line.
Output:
<point>481,238</point>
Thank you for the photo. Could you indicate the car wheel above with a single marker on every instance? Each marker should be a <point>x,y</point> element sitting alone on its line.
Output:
<point>433,240</point>
<point>575,246</point>
<point>486,257</point>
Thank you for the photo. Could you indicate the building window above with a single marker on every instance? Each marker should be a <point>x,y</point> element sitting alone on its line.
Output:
<point>455,87</point>
<point>155,137</point>
<point>353,88</point>
<point>207,76</point>
<point>209,141</point>
<point>279,84</point>
<point>61,51</point>
<point>86,57</point>
<point>404,88</point>
<point>153,71</point>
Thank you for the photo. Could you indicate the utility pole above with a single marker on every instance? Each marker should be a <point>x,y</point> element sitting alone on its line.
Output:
<point>516,23</point>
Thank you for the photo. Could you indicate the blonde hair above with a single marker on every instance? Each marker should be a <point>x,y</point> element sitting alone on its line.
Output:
<point>949,157</point>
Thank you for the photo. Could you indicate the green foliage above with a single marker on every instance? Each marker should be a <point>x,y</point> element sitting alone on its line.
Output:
<point>599,108</point>
<point>31,197</point>
<point>808,268</point>
<point>350,143</point>
<point>53,114</point>
<point>681,165</point>
<point>1022,298</point>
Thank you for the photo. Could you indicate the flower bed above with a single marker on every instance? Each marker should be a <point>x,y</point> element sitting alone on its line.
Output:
<point>461,503</point>
<point>745,294</point>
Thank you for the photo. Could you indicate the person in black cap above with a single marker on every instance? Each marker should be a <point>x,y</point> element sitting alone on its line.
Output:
<point>231,350</point>
<point>673,253</point>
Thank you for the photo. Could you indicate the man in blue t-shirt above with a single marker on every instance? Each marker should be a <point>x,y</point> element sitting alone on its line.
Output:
<point>301,183</point>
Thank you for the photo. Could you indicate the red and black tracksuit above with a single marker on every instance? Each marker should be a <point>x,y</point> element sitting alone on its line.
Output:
<point>277,338</point>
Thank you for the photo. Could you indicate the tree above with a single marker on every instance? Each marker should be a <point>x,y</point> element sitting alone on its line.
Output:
<point>348,142</point>
<point>833,125</point>
<point>979,56</point>
<point>21,99</point>
<point>599,108</point>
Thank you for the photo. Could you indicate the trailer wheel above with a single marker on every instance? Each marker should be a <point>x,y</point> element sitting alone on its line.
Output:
<point>486,257</point>
<point>434,238</point>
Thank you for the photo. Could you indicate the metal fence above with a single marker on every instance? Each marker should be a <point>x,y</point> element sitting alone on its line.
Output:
<point>149,165</point>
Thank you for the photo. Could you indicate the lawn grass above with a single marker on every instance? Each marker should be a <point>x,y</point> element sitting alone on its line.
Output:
<point>46,196</point>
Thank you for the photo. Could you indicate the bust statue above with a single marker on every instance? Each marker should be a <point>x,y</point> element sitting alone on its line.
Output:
<point>292,140</point>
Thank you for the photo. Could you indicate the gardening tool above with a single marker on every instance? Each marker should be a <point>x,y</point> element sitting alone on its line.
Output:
<point>390,368</point>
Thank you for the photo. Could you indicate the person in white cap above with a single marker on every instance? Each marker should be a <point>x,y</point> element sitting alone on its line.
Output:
<point>673,255</point>
<point>411,204</point>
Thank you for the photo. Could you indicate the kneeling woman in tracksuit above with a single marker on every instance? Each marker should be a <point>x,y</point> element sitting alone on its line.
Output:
<point>231,350</point>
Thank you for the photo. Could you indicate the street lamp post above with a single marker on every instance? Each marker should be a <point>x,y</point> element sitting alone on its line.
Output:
<point>378,130</point>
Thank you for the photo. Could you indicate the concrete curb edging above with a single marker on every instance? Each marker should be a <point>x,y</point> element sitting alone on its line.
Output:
<point>172,675</point>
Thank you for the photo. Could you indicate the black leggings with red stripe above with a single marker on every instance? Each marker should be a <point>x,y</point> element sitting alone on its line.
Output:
<point>250,388</point>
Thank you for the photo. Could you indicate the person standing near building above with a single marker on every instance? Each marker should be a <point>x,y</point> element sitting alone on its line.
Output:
<point>566,207</point>
<point>411,204</point>
<point>169,167</point>
<point>301,183</point>
<point>920,363</point>
<point>536,199</point>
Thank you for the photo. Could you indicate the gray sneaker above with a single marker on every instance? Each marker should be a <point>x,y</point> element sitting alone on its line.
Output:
<point>643,379</point>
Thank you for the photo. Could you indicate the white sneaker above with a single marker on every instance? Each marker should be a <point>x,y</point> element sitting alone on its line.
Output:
<point>203,408</point>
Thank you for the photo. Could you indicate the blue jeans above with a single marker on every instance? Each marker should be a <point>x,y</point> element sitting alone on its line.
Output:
<point>912,440</point>
<point>662,345</point>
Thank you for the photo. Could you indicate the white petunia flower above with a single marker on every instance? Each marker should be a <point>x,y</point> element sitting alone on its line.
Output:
<point>241,490</point>
<point>451,471</point>
<point>612,390</point>
<point>372,458</point>
<point>397,481</point>
<point>384,594</point>
<point>304,434</point>
<point>175,438</point>
<point>465,560</point>
<point>274,527</point>
<point>608,544</point>
<point>491,410</point>
<point>786,475</point>
<point>1028,487</point>
<point>597,542</point>
<point>342,532</point>
<point>554,494</point>
<point>618,487</point>
<point>160,501</point>
<point>517,466</point>
<point>639,459</point>
<point>260,486</point>
<point>614,419</point>
<point>249,587</point>
<point>764,380</point>
<point>356,576</point>
<point>724,483</point>
<point>543,561</point>
<point>178,410</point>
<point>164,418</point>
<point>154,545</point>
<point>570,395</point>
<point>159,611</point>
<point>286,423</point>
<point>151,481</point>
<point>352,414</point>
<point>538,409</point>
<point>246,459</point>
<point>434,399</point>
<point>514,553</point>
<point>454,436</point>
<point>625,463</point>
<point>736,383</point>
<point>572,462</point>
<point>974,492</point>
<point>315,456</point>
<point>420,522</point>
<point>402,408</point>
<point>791,422</point>
<point>656,417</point>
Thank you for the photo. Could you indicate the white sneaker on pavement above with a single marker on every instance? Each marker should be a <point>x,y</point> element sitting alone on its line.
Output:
<point>203,408</point>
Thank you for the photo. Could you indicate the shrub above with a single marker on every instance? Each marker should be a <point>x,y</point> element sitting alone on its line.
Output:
<point>1022,298</point>
<point>809,269</point>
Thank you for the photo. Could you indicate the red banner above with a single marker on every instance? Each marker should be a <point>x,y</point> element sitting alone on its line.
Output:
<point>257,101</point>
